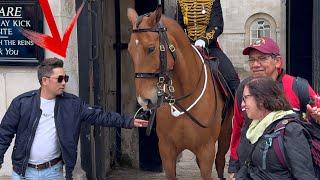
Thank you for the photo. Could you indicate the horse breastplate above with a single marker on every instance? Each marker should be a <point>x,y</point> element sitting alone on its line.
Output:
<point>196,17</point>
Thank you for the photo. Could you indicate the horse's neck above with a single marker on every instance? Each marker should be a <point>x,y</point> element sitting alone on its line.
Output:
<point>188,67</point>
<point>188,70</point>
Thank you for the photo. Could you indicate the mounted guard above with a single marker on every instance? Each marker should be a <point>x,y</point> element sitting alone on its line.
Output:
<point>202,21</point>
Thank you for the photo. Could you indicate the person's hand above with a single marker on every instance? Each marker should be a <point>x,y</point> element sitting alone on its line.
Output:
<point>313,112</point>
<point>140,123</point>
<point>200,43</point>
<point>232,177</point>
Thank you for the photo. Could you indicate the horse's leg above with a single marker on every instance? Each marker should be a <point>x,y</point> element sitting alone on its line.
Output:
<point>223,145</point>
<point>205,158</point>
<point>168,155</point>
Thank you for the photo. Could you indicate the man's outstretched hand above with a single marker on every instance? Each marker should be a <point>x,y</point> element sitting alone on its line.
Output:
<point>140,123</point>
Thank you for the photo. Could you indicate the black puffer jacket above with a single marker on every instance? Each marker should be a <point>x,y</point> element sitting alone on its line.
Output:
<point>297,151</point>
<point>22,119</point>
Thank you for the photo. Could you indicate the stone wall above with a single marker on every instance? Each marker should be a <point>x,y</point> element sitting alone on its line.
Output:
<point>13,81</point>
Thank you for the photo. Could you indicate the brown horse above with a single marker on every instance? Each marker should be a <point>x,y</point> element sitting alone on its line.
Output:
<point>169,73</point>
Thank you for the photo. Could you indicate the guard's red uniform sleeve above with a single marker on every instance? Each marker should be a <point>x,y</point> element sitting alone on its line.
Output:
<point>237,124</point>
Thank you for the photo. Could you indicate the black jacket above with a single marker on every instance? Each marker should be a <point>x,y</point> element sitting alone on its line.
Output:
<point>297,152</point>
<point>22,118</point>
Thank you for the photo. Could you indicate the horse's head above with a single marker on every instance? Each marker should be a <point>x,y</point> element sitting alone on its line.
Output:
<point>148,48</point>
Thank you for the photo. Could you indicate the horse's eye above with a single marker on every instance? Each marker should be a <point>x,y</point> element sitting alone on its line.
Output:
<point>151,49</point>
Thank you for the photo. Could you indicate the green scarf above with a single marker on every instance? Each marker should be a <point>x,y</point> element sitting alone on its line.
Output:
<point>257,127</point>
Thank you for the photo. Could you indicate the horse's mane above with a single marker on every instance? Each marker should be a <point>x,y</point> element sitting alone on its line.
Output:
<point>172,26</point>
<point>174,29</point>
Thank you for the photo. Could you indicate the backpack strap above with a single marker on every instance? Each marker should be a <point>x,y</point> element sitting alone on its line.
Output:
<point>268,144</point>
<point>301,87</point>
<point>248,161</point>
<point>278,145</point>
<point>275,140</point>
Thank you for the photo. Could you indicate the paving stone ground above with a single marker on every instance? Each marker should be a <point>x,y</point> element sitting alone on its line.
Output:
<point>186,169</point>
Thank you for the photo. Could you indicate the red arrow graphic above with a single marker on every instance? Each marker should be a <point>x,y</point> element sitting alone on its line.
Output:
<point>54,43</point>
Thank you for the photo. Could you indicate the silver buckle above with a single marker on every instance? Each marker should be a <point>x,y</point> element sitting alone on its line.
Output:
<point>171,101</point>
<point>171,89</point>
<point>162,48</point>
<point>172,48</point>
<point>161,79</point>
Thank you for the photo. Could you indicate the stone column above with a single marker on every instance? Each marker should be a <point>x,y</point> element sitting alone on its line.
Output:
<point>79,173</point>
<point>170,8</point>
<point>283,31</point>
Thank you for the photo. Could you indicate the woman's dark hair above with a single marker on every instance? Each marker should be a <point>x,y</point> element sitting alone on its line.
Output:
<point>45,69</point>
<point>268,93</point>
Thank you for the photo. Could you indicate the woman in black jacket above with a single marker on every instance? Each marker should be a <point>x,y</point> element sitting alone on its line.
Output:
<point>264,102</point>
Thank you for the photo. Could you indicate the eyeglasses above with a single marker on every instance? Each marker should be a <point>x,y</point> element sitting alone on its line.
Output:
<point>260,59</point>
<point>245,97</point>
<point>60,78</point>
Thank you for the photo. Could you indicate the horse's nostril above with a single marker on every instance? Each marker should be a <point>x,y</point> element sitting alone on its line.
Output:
<point>148,101</point>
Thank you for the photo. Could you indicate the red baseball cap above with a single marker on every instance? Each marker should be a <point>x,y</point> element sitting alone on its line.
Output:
<point>265,45</point>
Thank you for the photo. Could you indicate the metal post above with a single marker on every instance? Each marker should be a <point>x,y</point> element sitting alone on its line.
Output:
<point>288,36</point>
<point>316,45</point>
<point>170,8</point>
<point>118,48</point>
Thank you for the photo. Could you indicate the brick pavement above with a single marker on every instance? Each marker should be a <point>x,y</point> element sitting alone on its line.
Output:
<point>186,169</point>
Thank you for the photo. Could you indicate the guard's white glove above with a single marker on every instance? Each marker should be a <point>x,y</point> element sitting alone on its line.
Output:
<point>200,43</point>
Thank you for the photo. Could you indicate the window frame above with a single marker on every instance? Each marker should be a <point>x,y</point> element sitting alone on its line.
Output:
<point>260,27</point>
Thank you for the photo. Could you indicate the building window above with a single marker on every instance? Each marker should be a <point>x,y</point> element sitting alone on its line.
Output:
<point>259,28</point>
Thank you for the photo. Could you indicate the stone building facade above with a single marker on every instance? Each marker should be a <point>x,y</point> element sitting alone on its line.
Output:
<point>243,22</point>
<point>246,20</point>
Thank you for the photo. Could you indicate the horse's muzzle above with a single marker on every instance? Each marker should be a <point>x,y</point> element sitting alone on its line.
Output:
<point>147,104</point>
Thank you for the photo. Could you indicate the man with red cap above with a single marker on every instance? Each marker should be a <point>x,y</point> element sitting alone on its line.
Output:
<point>264,60</point>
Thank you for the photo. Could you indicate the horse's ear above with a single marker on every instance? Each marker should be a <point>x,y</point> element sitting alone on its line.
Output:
<point>155,17</point>
<point>132,16</point>
<point>158,13</point>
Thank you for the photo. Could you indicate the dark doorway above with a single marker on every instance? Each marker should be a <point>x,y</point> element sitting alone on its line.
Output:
<point>149,155</point>
<point>299,38</point>
<point>101,57</point>
<point>97,143</point>
<point>142,7</point>
<point>316,45</point>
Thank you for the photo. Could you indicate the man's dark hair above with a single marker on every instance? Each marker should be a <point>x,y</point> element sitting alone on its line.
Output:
<point>45,69</point>
<point>268,94</point>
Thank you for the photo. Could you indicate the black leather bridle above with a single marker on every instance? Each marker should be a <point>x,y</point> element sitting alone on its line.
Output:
<point>164,75</point>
